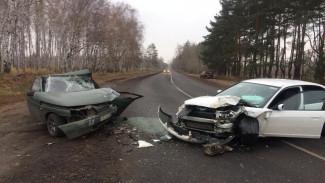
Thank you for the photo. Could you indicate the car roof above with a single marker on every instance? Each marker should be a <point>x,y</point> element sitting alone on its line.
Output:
<point>280,82</point>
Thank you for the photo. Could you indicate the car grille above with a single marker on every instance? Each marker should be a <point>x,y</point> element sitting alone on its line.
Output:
<point>199,126</point>
<point>202,114</point>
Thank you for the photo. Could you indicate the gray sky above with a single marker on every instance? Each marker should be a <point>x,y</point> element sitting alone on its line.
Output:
<point>171,22</point>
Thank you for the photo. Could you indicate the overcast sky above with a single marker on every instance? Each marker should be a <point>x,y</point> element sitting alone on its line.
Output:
<point>171,22</point>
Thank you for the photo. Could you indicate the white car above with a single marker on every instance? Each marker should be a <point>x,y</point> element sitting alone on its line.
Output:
<point>251,109</point>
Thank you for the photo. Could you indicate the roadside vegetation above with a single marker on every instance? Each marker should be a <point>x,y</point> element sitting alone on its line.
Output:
<point>50,36</point>
<point>71,35</point>
<point>249,39</point>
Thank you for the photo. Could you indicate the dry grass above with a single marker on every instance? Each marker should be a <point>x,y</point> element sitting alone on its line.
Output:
<point>15,85</point>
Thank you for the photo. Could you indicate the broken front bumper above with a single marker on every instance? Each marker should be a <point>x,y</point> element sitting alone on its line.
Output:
<point>88,125</point>
<point>185,134</point>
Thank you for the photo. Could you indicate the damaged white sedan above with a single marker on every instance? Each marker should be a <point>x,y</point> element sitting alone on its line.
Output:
<point>251,109</point>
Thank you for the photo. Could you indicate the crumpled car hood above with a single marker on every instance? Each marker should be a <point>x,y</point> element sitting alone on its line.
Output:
<point>80,98</point>
<point>213,101</point>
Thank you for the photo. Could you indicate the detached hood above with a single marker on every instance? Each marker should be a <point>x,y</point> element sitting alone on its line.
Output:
<point>213,101</point>
<point>70,99</point>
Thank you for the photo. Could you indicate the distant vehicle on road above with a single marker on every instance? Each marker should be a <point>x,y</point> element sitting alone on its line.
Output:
<point>206,75</point>
<point>251,109</point>
<point>166,71</point>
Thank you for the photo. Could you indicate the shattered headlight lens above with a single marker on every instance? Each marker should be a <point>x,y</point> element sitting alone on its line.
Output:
<point>181,107</point>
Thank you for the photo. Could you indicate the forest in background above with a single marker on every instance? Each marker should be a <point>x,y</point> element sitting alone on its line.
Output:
<point>263,38</point>
<point>72,34</point>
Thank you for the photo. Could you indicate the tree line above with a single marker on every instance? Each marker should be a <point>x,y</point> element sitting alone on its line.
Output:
<point>70,34</point>
<point>187,58</point>
<point>267,38</point>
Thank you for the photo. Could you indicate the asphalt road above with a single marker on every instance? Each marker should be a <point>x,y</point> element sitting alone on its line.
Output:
<point>271,160</point>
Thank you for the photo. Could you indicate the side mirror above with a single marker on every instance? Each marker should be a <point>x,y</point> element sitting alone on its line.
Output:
<point>30,93</point>
<point>281,107</point>
<point>219,91</point>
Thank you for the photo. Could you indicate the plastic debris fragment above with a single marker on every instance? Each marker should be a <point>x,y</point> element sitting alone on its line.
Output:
<point>143,144</point>
<point>166,137</point>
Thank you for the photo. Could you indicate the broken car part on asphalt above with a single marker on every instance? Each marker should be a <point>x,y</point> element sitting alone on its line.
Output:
<point>252,108</point>
<point>143,144</point>
<point>74,104</point>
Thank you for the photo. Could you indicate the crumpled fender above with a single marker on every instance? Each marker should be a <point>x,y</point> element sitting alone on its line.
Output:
<point>256,112</point>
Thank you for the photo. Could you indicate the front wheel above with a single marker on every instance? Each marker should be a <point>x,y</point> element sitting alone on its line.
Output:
<point>53,122</point>
<point>249,128</point>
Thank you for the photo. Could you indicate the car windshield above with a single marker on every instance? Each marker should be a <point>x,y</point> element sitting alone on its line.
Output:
<point>256,94</point>
<point>68,83</point>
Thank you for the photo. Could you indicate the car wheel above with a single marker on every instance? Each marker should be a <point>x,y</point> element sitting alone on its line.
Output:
<point>248,130</point>
<point>323,131</point>
<point>53,122</point>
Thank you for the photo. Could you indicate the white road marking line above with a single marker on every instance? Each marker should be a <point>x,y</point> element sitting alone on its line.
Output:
<point>286,142</point>
<point>304,150</point>
<point>171,79</point>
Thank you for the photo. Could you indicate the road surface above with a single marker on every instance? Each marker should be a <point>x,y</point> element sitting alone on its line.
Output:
<point>271,160</point>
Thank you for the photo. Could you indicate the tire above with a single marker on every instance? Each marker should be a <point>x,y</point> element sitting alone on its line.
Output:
<point>53,122</point>
<point>323,130</point>
<point>249,129</point>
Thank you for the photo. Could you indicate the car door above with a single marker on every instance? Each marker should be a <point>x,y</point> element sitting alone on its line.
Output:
<point>302,114</point>
<point>34,105</point>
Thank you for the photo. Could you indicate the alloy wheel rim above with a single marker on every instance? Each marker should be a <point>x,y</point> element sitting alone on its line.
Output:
<point>51,125</point>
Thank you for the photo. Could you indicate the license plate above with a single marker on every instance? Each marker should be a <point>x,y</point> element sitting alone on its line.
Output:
<point>105,117</point>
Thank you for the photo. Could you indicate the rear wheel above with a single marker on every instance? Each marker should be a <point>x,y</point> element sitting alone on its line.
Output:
<point>248,130</point>
<point>53,123</point>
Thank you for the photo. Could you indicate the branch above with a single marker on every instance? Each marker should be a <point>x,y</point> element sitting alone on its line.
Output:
<point>312,46</point>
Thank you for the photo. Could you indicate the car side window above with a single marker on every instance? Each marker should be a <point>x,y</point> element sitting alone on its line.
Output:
<point>314,100</point>
<point>291,98</point>
<point>36,85</point>
<point>311,87</point>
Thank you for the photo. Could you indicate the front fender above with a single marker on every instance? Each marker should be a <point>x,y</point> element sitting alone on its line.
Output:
<point>45,109</point>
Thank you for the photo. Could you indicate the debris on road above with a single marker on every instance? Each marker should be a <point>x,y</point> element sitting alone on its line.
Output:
<point>155,140</point>
<point>48,144</point>
<point>216,148</point>
<point>166,137</point>
<point>120,131</point>
<point>143,144</point>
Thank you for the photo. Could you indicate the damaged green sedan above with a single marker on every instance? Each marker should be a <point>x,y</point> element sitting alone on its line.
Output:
<point>74,104</point>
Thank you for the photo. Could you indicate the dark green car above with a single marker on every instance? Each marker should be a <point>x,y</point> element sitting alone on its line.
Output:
<point>73,104</point>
